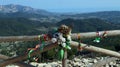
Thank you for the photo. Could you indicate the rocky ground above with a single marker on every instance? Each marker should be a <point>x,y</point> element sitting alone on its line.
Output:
<point>77,62</point>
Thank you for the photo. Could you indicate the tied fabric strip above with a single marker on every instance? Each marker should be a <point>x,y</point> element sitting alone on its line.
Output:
<point>97,39</point>
<point>32,50</point>
<point>42,38</point>
<point>78,36</point>
<point>100,36</point>
<point>29,54</point>
<point>61,54</point>
<point>80,47</point>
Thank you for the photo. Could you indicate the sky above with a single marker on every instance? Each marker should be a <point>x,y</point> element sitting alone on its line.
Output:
<point>64,6</point>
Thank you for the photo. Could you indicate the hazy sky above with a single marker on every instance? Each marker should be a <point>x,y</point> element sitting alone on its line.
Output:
<point>68,5</point>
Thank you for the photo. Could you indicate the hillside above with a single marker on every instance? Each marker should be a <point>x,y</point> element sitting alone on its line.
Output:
<point>41,15</point>
<point>22,26</point>
<point>109,16</point>
<point>91,24</point>
<point>24,20</point>
<point>12,10</point>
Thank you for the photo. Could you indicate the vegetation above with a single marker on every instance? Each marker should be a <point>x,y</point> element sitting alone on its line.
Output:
<point>23,26</point>
<point>40,22</point>
<point>87,25</point>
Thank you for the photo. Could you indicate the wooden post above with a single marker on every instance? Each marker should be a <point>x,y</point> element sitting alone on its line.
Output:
<point>64,61</point>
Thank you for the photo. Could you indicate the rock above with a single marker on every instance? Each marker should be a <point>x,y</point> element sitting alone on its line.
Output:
<point>106,65</point>
<point>94,61</point>
<point>102,58</point>
<point>69,65</point>
<point>80,64</point>
<point>76,59</point>
<point>47,65</point>
<point>90,63</point>
<point>72,63</point>
<point>111,63</point>
<point>34,63</point>
<point>85,60</point>
<point>76,64</point>
<point>12,66</point>
<point>59,62</point>
<point>116,65</point>
<point>98,58</point>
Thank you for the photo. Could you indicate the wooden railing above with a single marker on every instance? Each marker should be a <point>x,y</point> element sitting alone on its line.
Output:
<point>53,45</point>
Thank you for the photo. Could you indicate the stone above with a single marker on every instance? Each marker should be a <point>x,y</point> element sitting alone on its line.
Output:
<point>98,58</point>
<point>12,66</point>
<point>76,59</point>
<point>69,65</point>
<point>106,65</point>
<point>90,63</point>
<point>111,63</point>
<point>85,60</point>
<point>94,61</point>
<point>47,65</point>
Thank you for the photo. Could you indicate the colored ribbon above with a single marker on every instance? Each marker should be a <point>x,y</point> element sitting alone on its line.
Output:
<point>78,36</point>
<point>61,54</point>
<point>29,53</point>
<point>97,40</point>
<point>99,36</point>
<point>79,47</point>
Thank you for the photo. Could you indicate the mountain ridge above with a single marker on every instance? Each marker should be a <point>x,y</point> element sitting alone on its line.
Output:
<point>41,15</point>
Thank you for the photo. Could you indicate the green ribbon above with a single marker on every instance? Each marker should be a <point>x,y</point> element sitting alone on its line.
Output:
<point>43,43</point>
<point>29,53</point>
<point>61,54</point>
<point>97,39</point>
<point>42,46</point>
<point>68,45</point>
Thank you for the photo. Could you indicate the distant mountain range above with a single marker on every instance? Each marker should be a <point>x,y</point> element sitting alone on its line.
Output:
<point>88,25</point>
<point>109,16</point>
<point>12,10</point>
<point>23,20</point>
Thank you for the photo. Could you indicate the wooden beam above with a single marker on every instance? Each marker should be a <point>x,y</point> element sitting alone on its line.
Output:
<point>3,57</point>
<point>23,57</point>
<point>18,38</point>
<point>96,49</point>
<point>20,64</point>
<point>74,36</point>
<point>93,34</point>
<point>50,46</point>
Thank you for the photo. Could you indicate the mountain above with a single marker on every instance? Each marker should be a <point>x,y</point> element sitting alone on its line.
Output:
<point>12,10</point>
<point>41,15</point>
<point>24,20</point>
<point>109,16</point>
<point>89,24</point>
<point>22,26</point>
